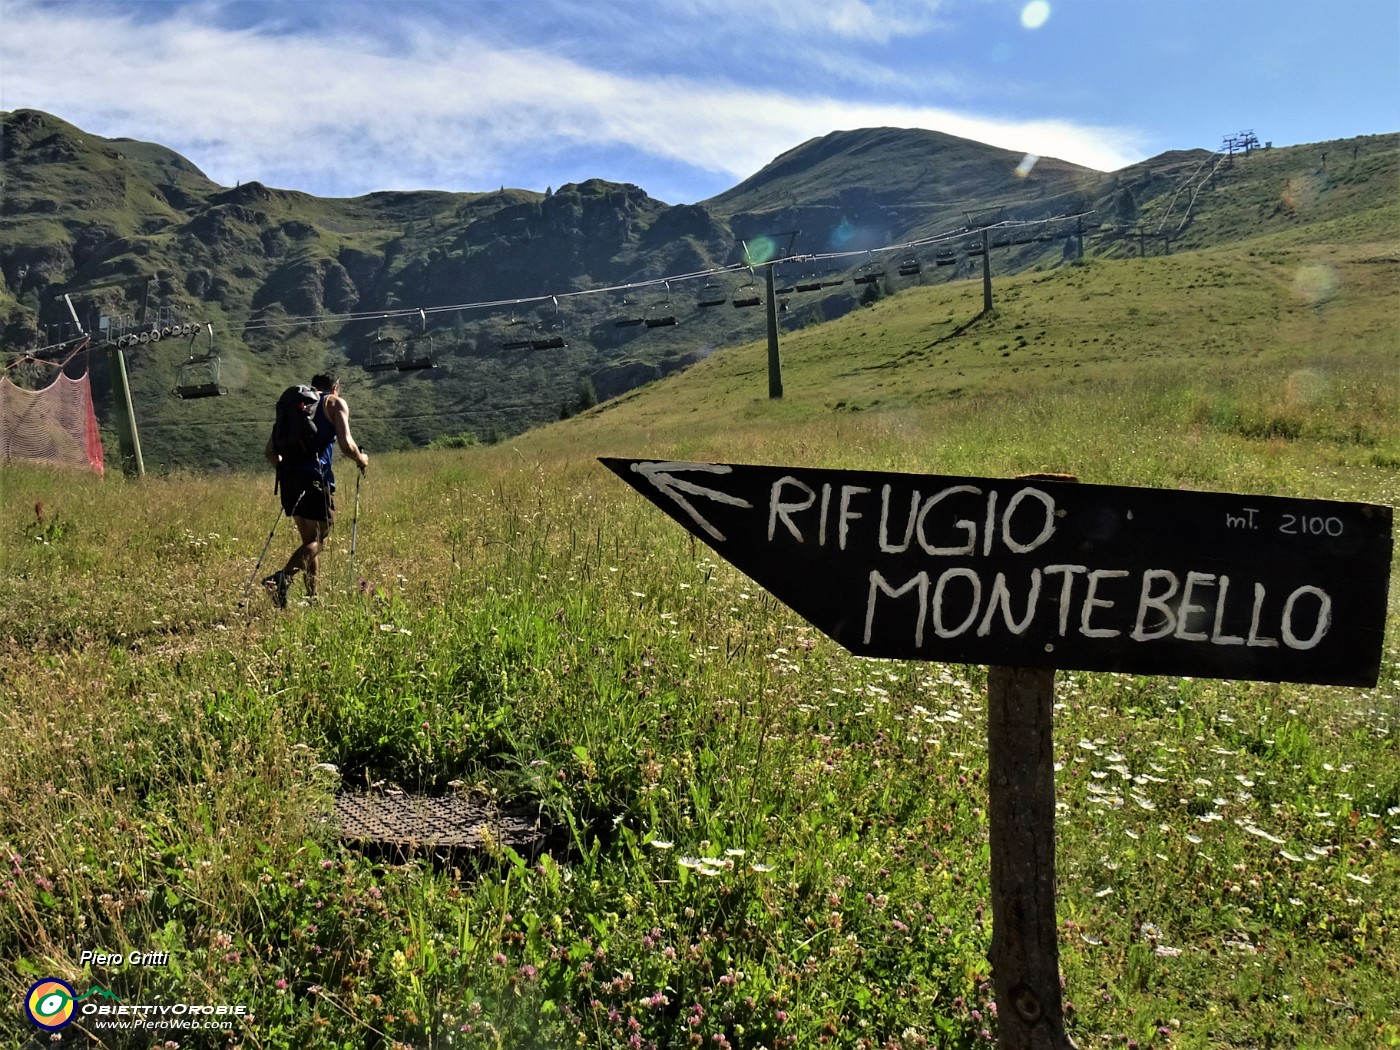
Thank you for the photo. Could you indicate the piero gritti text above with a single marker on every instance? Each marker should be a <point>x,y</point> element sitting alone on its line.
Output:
<point>124,959</point>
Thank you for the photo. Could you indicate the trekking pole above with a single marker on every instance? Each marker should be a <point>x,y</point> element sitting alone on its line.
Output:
<point>270,533</point>
<point>355,524</point>
<point>249,585</point>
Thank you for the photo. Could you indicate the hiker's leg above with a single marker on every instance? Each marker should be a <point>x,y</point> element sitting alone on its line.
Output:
<point>303,559</point>
<point>314,539</point>
<point>313,520</point>
<point>322,518</point>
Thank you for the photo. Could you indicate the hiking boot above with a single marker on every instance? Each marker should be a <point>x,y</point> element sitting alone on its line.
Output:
<point>277,585</point>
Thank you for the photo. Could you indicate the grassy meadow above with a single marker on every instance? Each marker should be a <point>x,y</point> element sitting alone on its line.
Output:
<point>756,839</point>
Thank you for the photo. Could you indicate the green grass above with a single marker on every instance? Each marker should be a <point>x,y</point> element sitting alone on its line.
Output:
<point>528,628</point>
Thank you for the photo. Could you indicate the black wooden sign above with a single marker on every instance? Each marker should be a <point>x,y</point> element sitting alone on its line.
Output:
<point>1032,573</point>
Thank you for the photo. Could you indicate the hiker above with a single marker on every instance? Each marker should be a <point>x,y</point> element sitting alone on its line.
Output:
<point>307,483</point>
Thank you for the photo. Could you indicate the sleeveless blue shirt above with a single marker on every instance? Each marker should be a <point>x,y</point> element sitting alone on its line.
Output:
<point>320,464</point>
<point>325,432</point>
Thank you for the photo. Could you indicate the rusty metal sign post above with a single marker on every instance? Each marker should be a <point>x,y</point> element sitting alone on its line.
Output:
<point>1035,574</point>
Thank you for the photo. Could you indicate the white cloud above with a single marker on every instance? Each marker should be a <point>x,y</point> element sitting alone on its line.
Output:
<point>876,21</point>
<point>340,112</point>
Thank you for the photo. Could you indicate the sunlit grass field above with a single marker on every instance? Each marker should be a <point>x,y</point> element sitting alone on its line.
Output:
<point>756,839</point>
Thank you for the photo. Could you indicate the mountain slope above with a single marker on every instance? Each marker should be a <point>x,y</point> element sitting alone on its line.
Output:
<point>292,284</point>
<point>900,183</point>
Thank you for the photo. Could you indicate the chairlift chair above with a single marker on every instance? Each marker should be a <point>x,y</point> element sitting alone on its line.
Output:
<point>868,273</point>
<point>946,257</point>
<point>198,377</point>
<point>747,295</point>
<point>386,360</point>
<point>808,283</point>
<point>544,336</point>
<point>420,362</point>
<point>712,294</point>
<point>387,357</point>
<point>628,320</point>
<point>832,279</point>
<point>551,337</point>
<point>910,267</point>
<point>661,319</point>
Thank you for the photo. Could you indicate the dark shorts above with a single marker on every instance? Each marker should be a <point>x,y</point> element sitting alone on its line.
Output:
<point>307,496</point>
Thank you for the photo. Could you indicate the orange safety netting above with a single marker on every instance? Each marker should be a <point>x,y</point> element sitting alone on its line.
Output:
<point>55,424</point>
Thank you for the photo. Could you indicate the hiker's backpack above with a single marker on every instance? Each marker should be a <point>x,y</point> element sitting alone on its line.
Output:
<point>294,436</point>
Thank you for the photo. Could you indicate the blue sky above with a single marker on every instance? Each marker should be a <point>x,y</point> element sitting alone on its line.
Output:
<point>684,97</point>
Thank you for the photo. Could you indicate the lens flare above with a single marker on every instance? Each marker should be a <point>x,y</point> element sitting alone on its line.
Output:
<point>1035,14</point>
<point>1315,283</point>
<point>848,236</point>
<point>1306,386</point>
<point>1027,163</point>
<point>760,250</point>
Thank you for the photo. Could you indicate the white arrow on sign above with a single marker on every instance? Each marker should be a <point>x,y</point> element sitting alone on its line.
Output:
<point>663,476</point>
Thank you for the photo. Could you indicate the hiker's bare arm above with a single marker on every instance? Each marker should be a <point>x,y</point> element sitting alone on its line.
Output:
<point>339,412</point>
<point>270,453</point>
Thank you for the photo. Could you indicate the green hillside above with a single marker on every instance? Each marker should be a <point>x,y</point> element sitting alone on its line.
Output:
<point>1268,339</point>
<point>292,284</point>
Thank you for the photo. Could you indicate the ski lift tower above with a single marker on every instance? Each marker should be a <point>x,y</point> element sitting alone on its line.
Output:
<point>128,439</point>
<point>775,368</point>
<point>984,226</point>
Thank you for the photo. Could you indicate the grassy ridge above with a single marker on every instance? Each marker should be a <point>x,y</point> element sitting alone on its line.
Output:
<point>768,843</point>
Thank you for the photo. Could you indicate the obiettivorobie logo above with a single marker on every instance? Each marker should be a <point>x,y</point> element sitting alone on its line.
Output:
<point>52,1004</point>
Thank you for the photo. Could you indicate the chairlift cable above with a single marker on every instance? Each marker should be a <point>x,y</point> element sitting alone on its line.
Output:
<point>422,312</point>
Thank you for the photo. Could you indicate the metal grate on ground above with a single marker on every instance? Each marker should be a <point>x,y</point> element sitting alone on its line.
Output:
<point>449,822</point>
